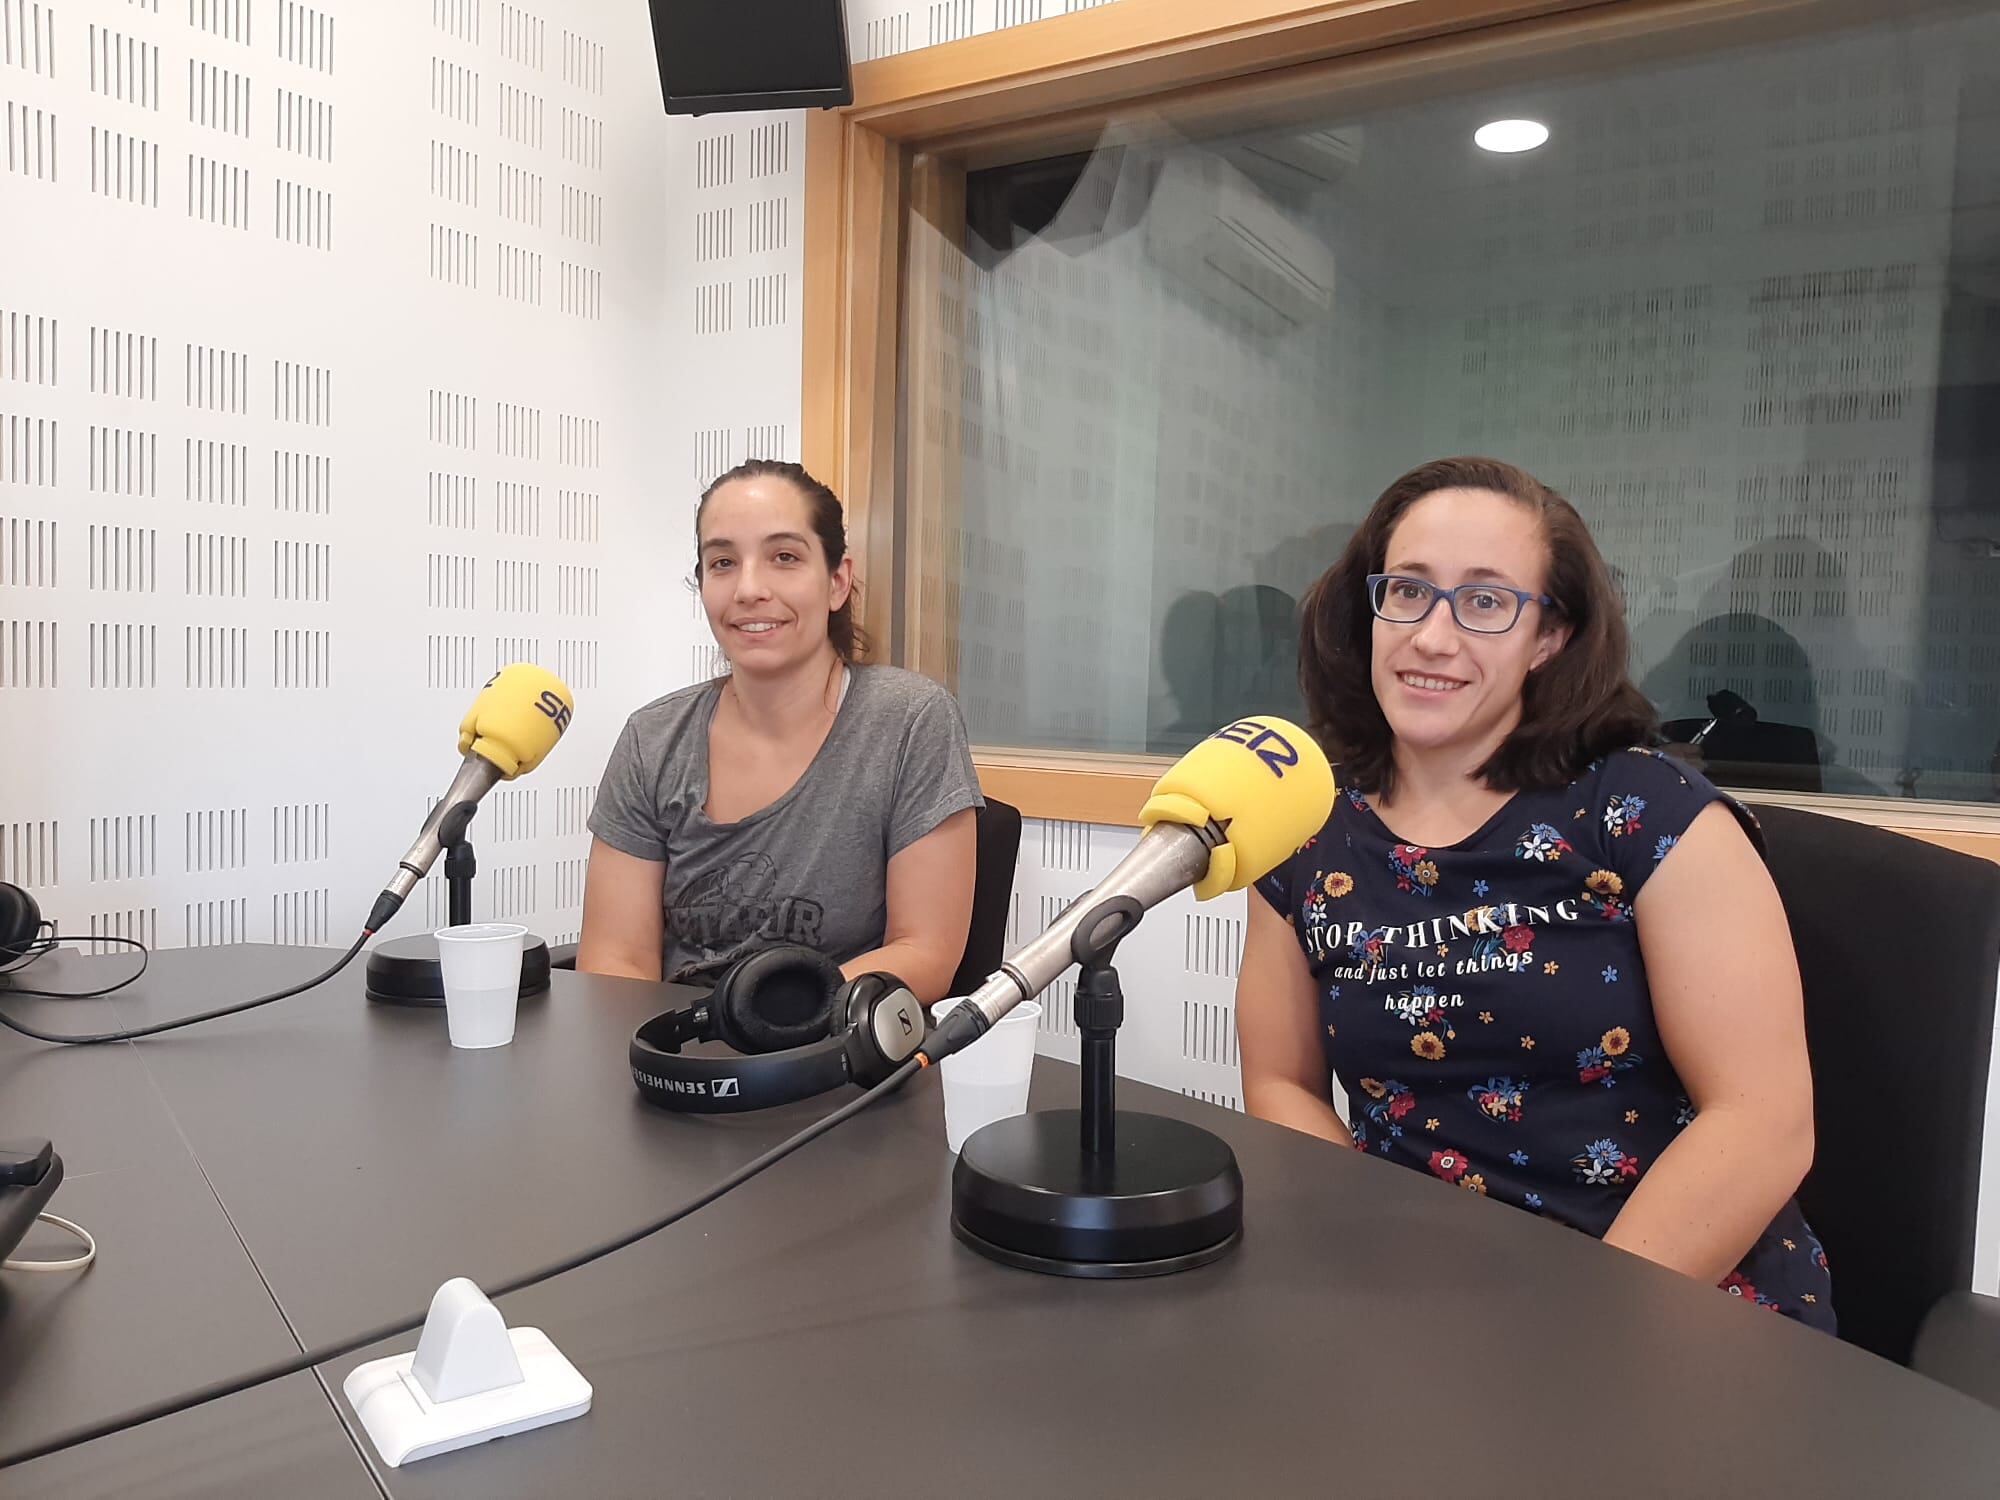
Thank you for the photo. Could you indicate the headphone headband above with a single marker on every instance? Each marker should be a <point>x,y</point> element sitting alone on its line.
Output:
<point>713,1084</point>
<point>795,1028</point>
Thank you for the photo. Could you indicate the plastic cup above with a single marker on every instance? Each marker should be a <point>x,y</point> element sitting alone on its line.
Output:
<point>481,963</point>
<point>988,1081</point>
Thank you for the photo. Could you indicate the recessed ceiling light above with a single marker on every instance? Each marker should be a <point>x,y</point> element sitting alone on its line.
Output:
<point>1509,136</point>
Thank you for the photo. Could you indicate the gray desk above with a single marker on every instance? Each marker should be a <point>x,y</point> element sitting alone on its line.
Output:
<point>819,1332</point>
<point>174,1299</point>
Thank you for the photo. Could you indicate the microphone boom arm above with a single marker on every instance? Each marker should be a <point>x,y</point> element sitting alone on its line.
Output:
<point>475,778</point>
<point>1169,857</point>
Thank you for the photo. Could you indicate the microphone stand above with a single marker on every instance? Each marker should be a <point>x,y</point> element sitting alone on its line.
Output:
<point>406,971</point>
<point>1096,1191</point>
<point>459,868</point>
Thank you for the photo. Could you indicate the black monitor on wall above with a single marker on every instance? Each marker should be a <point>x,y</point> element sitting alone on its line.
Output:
<point>724,55</point>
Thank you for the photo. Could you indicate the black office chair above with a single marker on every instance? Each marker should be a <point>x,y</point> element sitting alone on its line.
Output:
<point>1899,949</point>
<point>1776,757</point>
<point>999,831</point>
<point>999,844</point>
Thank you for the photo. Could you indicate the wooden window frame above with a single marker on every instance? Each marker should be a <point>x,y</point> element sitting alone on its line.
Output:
<point>900,150</point>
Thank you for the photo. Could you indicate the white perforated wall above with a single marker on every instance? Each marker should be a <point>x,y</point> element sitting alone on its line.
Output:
<point>333,340</point>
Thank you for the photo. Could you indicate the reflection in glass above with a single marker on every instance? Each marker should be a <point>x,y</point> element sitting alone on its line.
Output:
<point>1743,308</point>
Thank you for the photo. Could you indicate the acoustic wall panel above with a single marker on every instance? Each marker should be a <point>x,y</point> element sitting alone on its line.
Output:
<point>332,347</point>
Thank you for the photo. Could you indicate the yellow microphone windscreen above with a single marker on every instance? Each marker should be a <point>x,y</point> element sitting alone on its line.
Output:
<point>517,718</point>
<point>1264,781</point>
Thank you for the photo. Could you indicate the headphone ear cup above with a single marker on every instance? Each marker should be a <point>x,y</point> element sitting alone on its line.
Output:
<point>777,999</point>
<point>883,1023</point>
<point>20,923</point>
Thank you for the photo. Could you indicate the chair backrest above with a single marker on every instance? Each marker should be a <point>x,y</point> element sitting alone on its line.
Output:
<point>999,831</point>
<point>1899,949</point>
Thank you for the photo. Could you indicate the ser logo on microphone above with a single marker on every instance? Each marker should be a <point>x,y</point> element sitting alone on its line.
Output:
<point>1272,748</point>
<point>554,708</point>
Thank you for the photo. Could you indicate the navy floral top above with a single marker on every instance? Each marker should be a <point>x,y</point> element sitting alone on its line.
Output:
<point>1486,1009</point>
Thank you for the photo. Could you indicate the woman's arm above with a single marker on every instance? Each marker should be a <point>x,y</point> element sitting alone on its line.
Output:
<point>623,925</point>
<point>930,910</point>
<point>1285,1077</point>
<point>1726,998</point>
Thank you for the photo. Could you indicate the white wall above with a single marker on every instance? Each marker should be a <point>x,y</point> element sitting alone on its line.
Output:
<point>331,351</point>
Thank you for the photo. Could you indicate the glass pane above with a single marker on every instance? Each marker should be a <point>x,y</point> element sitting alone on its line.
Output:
<point>1742,307</point>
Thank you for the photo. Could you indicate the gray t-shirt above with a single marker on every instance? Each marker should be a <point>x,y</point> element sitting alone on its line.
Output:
<point>812,868</point>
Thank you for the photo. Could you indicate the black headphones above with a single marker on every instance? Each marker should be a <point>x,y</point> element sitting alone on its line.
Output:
<point>20,923</point>
<point>798,1028</point>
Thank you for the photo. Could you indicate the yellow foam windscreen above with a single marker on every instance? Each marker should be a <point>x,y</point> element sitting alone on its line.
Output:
<point>1263,781</point>
<point>517,718</point>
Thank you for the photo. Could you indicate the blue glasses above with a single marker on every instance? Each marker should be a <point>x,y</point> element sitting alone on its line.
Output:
<point>1483,608</point>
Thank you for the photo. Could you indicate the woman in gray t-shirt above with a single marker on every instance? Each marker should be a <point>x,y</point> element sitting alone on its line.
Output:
<point>800,799</point>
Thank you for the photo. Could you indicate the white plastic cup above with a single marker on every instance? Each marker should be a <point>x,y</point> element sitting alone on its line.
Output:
<point>988,1081</point>
<point>481,962</point>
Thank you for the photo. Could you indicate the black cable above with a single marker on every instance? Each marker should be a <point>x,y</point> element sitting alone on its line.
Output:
<point>43,940</point>
<point>42,947</point>
<point>305,1361</point>
<point>159,1026</point>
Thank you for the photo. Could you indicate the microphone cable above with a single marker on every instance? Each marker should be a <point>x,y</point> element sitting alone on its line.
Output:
<point>42,946</point>
<point>230,1385</point>
<point>132,1033</point>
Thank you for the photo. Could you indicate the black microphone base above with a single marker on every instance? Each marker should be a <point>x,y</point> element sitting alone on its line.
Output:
<point>1168,1197</point>
<point>405,971</point>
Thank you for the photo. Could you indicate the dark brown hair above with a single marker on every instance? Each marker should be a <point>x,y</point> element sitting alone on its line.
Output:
<point>1579,705</point>
<point>829,524</point>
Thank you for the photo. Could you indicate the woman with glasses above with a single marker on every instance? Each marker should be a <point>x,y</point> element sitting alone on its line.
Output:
<point>1545,963</point>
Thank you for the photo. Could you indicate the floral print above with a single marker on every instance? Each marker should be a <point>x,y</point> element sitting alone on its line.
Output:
<point>1542,844</point>
<point>1423,1009</point>
<point>1499,1098</point>
<point>1621,815</point>
<point>1390,1103</point>
<point>1450,1165</point>
<point>1545,949</point>
<point>1604,892</point>
<point>1413,869</point>
<point>1597,1064</point>
<point>1367,948</point>
<point>1602,1164</point>
<point>1737,1285</point>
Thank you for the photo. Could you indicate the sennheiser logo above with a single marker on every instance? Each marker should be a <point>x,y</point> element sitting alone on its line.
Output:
<point>728,1088</point>
<point>677,1085</point>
